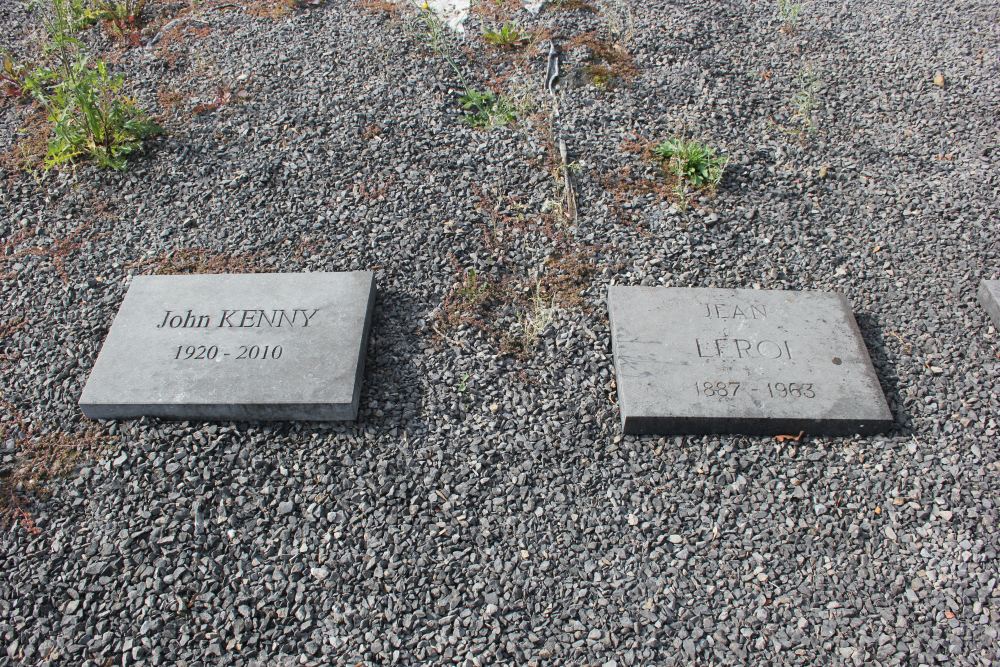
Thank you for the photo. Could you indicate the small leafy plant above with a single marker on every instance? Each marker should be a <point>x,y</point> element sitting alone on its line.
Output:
<point>13,76</point>
<point>123,17</point>
<point>433,29</point>
<point>789,12</point>
<point>692,162</point>
<point>91,116</point>
<point>72,16</point>
<point>508,36</point>
<point>805,101</point>
<point>485,109</point>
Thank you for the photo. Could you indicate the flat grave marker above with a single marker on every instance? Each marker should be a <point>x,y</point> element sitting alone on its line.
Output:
<point>760,362</point>
<point>261,346</point>
<point>989,298</point>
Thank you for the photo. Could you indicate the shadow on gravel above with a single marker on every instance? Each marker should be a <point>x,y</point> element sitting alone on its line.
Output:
<point>392,390</point>
<point>734,174</point>
<point>748,172</point>
<point>871,331</point>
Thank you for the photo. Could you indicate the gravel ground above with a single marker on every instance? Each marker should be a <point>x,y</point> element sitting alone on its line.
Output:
<point>486,509</point>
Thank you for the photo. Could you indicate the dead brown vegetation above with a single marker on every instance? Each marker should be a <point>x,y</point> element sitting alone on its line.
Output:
<point>173,42</point>
<point>483,302</point>
<point>495,10</point>
<point>607,62</point>
<point>30,145</point>
<point>571,6</point>
<point>56,252</point>
<point>197,260</point>
<point>270,9</point>
<point>371,131</point>
<point>384,8</point>
<point>41,455</point>
<point>170,101</point>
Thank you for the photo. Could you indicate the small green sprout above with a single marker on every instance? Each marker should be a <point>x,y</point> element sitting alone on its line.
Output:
<point>692,162</point>
<point>484,109</point>
<point>507,37</point>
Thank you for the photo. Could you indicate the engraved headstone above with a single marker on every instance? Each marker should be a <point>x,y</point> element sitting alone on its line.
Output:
<point>235,346</point>
<point>989,298</point>
<point>693,361</point>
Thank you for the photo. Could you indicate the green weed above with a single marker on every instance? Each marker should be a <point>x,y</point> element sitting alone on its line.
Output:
<point>485,109</point>
<point>691,164</point>
<point>91,116</point>
<point>124,16</point>
<point>13,75</point>
<point>805,102</point>
<point>788,12</point>
<point>434,31</point>
<point>507,37</point>
<point>72,16</point>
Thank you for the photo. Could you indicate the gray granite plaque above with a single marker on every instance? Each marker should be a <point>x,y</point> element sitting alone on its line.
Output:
<point>692,361</point>
<point>989,297</point>
<point>235,346</point>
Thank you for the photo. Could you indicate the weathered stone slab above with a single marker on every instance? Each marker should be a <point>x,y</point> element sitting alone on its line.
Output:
<point>989,298</point>
<point>692,361</point>
<point>239,346</point>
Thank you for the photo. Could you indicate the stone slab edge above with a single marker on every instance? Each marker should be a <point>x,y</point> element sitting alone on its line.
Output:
<point>254,411</point>
<point>764,426</point>
<point>988,292</point>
